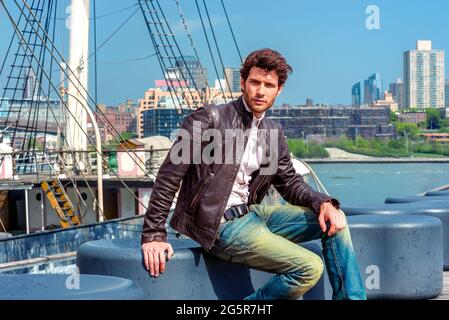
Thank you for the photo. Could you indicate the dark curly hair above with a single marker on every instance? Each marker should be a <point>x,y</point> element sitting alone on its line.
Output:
<point>268,60</point>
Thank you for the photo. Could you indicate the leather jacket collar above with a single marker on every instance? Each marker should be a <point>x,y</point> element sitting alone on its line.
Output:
<point>246,115</point>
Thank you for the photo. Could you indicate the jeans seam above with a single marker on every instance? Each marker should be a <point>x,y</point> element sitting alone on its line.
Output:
<point>337,265</point>
<point>299,285</point>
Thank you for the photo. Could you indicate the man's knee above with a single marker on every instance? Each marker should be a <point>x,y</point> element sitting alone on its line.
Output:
<point>311,269</point>
<point>316,268</point>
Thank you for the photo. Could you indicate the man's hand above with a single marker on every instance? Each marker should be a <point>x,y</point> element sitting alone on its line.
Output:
<point>336,218</point>
<point>154,256</point>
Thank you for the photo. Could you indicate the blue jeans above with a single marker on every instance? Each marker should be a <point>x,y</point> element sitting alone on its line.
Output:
<point>266,239</point>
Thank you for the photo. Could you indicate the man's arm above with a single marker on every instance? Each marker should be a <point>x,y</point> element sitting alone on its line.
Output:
<point>292,186</point>
<point>168,180</point>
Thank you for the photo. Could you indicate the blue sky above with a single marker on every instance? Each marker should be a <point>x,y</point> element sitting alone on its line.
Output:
<point>325,41</point>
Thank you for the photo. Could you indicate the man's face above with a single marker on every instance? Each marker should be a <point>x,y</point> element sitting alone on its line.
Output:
<point>260,89</point>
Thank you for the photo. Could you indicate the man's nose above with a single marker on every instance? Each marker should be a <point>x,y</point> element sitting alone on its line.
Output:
<point>261,90</point>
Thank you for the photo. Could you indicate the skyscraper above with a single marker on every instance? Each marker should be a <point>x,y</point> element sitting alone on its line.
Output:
<point>372,88</point>
<point>29,84</point>
<point>309,102</point>
<point>232,75</point>
<point>357,94</point>
<point>191,70</point>
<point>446,94</point>
<point>424,76</point>
<point>397,91</point>
<point>367,91</point>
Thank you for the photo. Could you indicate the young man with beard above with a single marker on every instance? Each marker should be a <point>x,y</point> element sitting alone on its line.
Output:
<point>219,203</point>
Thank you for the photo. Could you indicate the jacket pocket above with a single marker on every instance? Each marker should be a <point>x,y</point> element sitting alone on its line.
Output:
<point>197,195</point>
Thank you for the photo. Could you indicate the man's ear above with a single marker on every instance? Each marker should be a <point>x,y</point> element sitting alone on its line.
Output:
<point>242,85</point>
<point>280,90</point>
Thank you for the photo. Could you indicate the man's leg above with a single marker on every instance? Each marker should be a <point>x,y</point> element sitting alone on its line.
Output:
<point>248,241</point>
<point>300,224</point>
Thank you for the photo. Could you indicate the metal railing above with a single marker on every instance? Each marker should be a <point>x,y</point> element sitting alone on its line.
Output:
<point>39,162</point>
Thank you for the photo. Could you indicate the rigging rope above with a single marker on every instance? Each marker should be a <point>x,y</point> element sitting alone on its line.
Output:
<point>232,31</point>
<point>184,22</point>
<point>218,49</point>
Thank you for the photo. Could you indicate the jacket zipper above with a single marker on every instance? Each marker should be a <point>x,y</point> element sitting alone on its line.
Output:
<point>257,189</point>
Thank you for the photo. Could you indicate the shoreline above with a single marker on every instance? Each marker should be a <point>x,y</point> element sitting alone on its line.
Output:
<point>378,160</point>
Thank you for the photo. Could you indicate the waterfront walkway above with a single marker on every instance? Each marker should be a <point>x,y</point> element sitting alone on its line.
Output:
<point>340,156</point>
<point>445,292</point>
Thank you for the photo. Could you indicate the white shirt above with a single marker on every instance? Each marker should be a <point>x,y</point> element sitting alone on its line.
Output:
<point>251,160</point>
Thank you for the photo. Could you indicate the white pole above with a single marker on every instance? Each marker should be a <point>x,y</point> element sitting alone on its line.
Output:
<point>43,218</point>
<point>99,164</point>
<point>99,158</point>
<point>78,77</point>
<point>27,219</point>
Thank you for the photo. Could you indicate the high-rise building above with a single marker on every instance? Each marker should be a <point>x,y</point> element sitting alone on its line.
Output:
<point>191,71</point>
<point>424,76</point>
<point>357,94</point>
<point>163,122</point>
<point>309,102</point>
<point>232,76</point>
<point>367,91</point>
<point>29,84</point>
<point>372,89</point>
<point>397,91</point>
<point>446,94</point>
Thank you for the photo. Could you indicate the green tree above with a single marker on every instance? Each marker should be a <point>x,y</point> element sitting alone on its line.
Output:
<point>393,117</point>
<point>444,123</point>
<point>433,118</point>
<point>128,135</point>
<point>362,143</point>
<point>397,144</point>
<point>409,129</point>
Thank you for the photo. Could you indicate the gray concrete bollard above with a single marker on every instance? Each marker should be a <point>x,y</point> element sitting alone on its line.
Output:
<point>435,209</point>
<point>400,256</point>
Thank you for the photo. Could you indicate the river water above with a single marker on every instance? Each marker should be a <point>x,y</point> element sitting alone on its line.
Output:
<point>371,183</point>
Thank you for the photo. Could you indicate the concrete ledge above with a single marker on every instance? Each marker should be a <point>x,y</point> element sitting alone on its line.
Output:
<point>67,287</point>
<point>191,274</point>
<point>406,199</point>
<point>437,193</point>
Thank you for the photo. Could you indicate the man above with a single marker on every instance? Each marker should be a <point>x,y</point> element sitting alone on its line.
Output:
<point>219,201</point>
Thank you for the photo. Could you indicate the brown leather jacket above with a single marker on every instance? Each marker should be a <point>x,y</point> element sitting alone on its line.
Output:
<point>205,188</point>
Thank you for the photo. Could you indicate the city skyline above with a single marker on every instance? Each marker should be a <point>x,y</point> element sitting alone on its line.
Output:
<point>327,44</point>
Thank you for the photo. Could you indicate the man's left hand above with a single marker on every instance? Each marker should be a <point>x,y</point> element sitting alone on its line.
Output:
<point>336,218</point>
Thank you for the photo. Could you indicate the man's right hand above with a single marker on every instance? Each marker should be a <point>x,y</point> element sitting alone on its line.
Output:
<point>154,256</point>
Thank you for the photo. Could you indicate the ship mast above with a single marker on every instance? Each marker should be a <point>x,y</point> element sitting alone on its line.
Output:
<point>77,97</point>
<point>76,127</point>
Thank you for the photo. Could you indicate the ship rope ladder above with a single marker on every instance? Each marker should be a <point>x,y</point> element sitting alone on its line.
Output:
<point>60,203</point>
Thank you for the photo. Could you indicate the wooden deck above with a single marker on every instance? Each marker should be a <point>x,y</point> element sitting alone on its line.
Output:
<point>445,292</point>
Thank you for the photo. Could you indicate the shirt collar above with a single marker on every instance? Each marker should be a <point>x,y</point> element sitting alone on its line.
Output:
<point>249,110</point>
